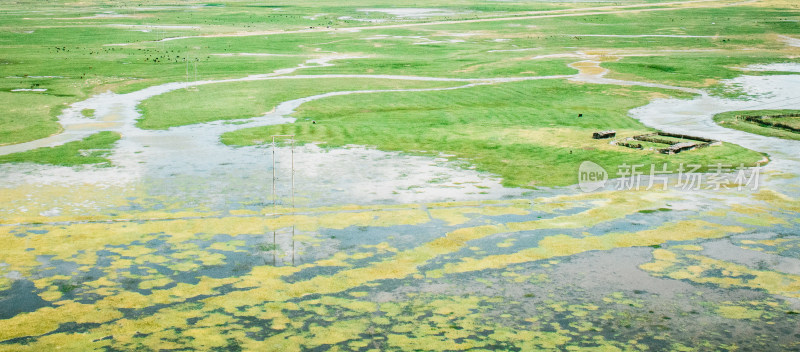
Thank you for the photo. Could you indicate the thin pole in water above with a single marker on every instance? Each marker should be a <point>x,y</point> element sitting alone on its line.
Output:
<point>273,176</point>
<point>274,190</point>
<point>274,206</point>
<point>293,224</point>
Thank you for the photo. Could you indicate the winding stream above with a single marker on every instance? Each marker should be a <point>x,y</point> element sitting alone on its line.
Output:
<point>190,162</point>
<point>695,116</point>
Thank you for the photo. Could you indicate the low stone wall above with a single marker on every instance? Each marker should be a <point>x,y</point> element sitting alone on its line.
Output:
<point>631,145</point>
<point>675,147</point>
<point>650,138</point>
<point>683,136</point>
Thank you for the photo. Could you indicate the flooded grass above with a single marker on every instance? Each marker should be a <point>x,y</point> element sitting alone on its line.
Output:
<point>497,133</point>
<point>730,120</point>
<point>94,149</point>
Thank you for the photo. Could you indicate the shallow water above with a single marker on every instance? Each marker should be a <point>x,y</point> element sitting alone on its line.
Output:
<point>695,117</point>
<point>177,246</point>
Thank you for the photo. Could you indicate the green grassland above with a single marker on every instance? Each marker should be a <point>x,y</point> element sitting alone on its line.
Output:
<point>238,100</point>
<point>70,50</point>
<point>91,150</point>
<point>72,42</point>
<point>729,120</point>
<point>79,70</point>
<point>527,132</point>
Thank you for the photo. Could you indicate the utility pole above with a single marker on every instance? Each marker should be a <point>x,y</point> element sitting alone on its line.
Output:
<point>274,191</point>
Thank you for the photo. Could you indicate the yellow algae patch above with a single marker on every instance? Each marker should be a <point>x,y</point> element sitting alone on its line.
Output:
<point>428,342</point>
<point>270,311</point>
<point>205,338</point>
<point>354,305</point>
<point>338,259</point>
<point>776,246</point>
<point>183,291</point>
<point>562,245</point>
<point>271,287</point>
<point>703,269</point>
<point>778,200</point>
<point>315,335</point>
<point>132,251</point>
<point>451,216</point>
<point>765,220</point>
<point>748,209</point>
<point>738,312</point>
<point>562,202</point>
<point>336,333</point>
<point>582,310</point>
<point>738,275</point>
<point>48,319</point>
<point>151,259</point>
<point>62,341</point>
<point>775,242</point>
<point>538,340</point>
<point>343,220</point>
<point>243,212</point>
<point>664,259</point>
<point>47,281</point>
<point>124,299</point>
<point>405,263</point>
<point>52,294</point>
<point>124,330</point>
<point>149,284</point>
<point>457,216</point>
<point>79,242</point>
<point>280,342</point>
<point>620,205</point>
<point>268,282</point>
